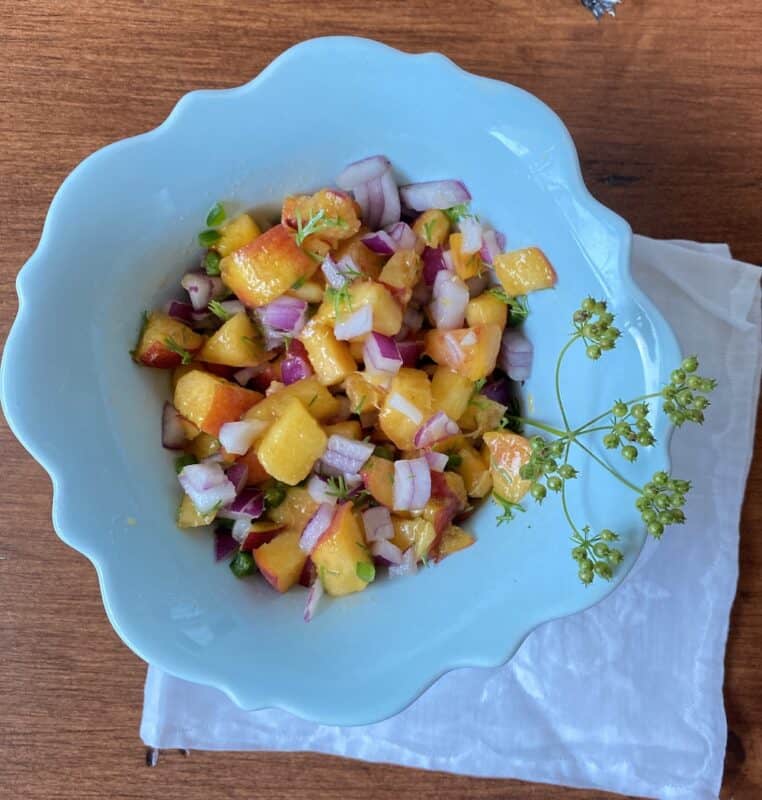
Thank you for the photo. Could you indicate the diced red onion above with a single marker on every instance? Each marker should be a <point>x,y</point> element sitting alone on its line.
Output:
<point>207,486</point>
<point>313,598</point>
<point>499,390</point>
<point>412,483</point>
<point>240,529</point>
<point>362,199</point>
<point>515,357</point>
<point>381,353</point>
<point>237,437</point>
<point>248,504</point>
<point>380,242</point>
<point>255,539</point>
<point>489,248</point>
<point>392,206</point>
<point>448,308</point>
<point>286,314</point>
<point>346,454</point>
<point>362,171</point>
<point>410,352</point>
<point>500,237</point>
<point>409,565</point>
<point>334,275</point>
<point>178,310</point>
<point>224,544</point>
<point>437,461</point>
<point>316,527</point>
<point>471,230</point>
<point>400,403</point>
<point>199,288</point>
<point>375,203</point>
<point>237,474</point>
<point>296,365</point>
<point>172,431</point>
<point>433,263</point>
<point>436,428</point>
<point>318,490</point>
<point>434,194</point>
<point>309,574</point>
<point>386,552</point>
<point>403,235</point>
<point>377,522</point>
<point>232,307</point>
<point>357,324</point>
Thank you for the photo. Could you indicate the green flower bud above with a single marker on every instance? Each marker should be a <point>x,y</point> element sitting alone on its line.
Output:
<point>690,364</point>
<point>649,516</point>
<point>593,352</point>
<point>585,575</point>
<point>660,478</point>
<point>588,304</point>
<point>646,439</point>
<point>685,398</point>
<point>536,443</point>
<point>700,403</point>
<point>601,549</point>
<point>528,472</point>
<point>607,318</point>
<point>642,503</point>
<point>656,529</point>
<point>538,492</point>
<point>640,411</point>
<point>615,557</point>
<point>662,502</point>
<point>708,384</point>
<point>665,517</point>
<point>554,484</point>
<point>619,409</point>
<point>600,307</point>
<point>580,317</point>
<point>603,570</point>
<point>611,441</point>
<point>567,472</point>
<point>588,331</point>
<point>693,382</point>
<point>677,377</point>
<point>557,448</point>
<point>629,452</point>
<point>608,536</point>
<point>579,552</point>
<point>694,415</point>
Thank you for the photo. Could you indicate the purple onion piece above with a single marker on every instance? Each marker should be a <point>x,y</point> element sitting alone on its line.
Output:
<point>434,194</point>
<point>224,544</point>
<point>362,171</point>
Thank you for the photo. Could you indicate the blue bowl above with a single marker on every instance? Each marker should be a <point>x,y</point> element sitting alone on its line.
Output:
<point>120,232</point>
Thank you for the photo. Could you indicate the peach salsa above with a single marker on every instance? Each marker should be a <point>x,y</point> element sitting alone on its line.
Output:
<point>341,380</point>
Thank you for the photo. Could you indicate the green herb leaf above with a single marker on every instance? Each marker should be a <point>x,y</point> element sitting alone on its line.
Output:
<point>517,306</point>
<point>219,310</point>
<point>509,508</point>
<point>183,461</point>
<point>337,487</point>
<point>298,284</point>
<point>275,493</point>
<point>209,237</point>
<point>143,325</point>
<point>212,263</point>
<point>457,213</point>
<point>360,403</point>
<point>184,354</point>
<point>339,298</point>
<point>315,224</point>
<point>216,216</point>
<point>384,451</point>
<point>365,571</point>
<point>453,460</point>
<point>427,231</point>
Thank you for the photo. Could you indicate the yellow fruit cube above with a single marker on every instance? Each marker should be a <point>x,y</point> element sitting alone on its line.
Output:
<point>450,392</point>
<point>296,510</point>
<point>166,342</point>
<point>486,309</point>
<point>363,395</point>
<point>236,234</point>
<point>474,471</point>
<point>418,533</point>
<point>350,429</point>
<point>433,226</point>
<point>481,415</point>
<point>524,271</point>
<point>368,262</point>
<point>331,359</point>
<point>508,453</point>
<point>209,401</point>
<point>402,270</point>
<point>321,404</point>
<point>292,444</point>
<point>470,351</point>
<point>339,214</point>
<point>339,553</point>
<point>281,560</point>
<point>454,539</point>
<point>378,476</point>
<point>387,313</point>
<point>236,344</point>
<point>188,517</point>
<point>267,267</point>
<point>406,406</point>
<point>309,291</point>
<point>466,266</point>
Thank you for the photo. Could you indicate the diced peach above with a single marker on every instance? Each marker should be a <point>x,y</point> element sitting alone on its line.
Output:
<point>292,444</point>
<point>296,510</point>
<point>387,313</point>
<point>524,271</point>
<point>331,359</point>
<point>339,551</point>
<point>508,453</point>
<point>336,207</point>
<point>474,471</point>
<point>486,309</point>
<point>267,267</point>
<point>188,517</point>
<point>281,560</point>
<point>256,472</point>
<point>402,270</point>
<point>398,425</point>
<point>236,233</point>
<point>236,344</point>
<point>470,351</point>
<point>418,533</point>
<point>433,226</point>
<point>310,291</point>
<point>454,539</point>
<point>209,402</point>
<point>378,476</point>
<point>481,415</point>
<point>321,404</point>
<point>363,395</point>
<point>350,429</point>
<point>178,373</point>
<point>260,532</point>
<point>204,446</point>
<point>466,265</point>
<point>368,262</point>
<point>165,341</point>
<point>450,392</point>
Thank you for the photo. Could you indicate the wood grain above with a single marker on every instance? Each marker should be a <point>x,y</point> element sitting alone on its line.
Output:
<point>665,104</point>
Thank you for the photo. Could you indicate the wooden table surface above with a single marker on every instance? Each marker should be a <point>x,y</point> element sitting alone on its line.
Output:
<point>665,104</point>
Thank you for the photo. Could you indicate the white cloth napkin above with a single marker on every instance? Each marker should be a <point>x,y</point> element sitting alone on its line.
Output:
<point>626,696</point>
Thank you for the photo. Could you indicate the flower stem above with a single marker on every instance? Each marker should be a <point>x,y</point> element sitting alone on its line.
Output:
<point>540,425</point>
<point>607,467</point>
<point>584,428</point>
<point>560,402</point>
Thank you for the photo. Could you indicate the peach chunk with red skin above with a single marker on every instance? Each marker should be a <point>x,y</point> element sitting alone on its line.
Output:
<point>165,341</point>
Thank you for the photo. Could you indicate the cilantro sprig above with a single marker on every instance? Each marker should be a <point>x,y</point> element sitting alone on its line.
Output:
<point>219,310</point>
<point>184,354</point>
<point>624,426</point>
<point>316,224</point>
